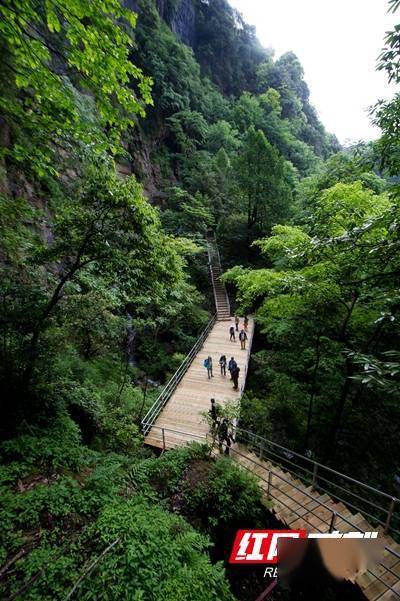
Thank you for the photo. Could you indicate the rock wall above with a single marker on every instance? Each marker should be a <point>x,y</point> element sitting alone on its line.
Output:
<point>181,17</point>
<point>179,14</point>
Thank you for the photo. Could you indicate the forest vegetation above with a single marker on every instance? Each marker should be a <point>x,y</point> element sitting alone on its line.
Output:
<point>127,132</point>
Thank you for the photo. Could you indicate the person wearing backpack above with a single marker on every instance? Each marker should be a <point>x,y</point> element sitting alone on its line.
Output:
<point>222,363</point>
<point>235,377</point>
<point>209,367</point>
<point>237,320</point>
<point>242,338</point>
<point>232,334</point>
<point>231,366</point>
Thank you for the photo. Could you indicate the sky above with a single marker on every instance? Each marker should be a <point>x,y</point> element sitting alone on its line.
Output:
<point>337,42</point>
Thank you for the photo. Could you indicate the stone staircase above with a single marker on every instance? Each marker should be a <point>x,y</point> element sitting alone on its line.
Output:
<point>220,294</point>
<point>299,506</point>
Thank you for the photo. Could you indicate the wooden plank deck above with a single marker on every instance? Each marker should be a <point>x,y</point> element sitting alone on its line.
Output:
<point>293,501</point>
<point>183,411</point>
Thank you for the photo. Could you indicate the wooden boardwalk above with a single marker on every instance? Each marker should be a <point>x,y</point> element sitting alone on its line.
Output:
<point>183,411</point>
<point>295,503</point>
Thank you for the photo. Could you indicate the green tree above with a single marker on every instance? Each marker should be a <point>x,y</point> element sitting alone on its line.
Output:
<point>105,237</point>
<point>53,53</point>
<point>330,297</point>
<point>387,113</point>
<point>262,186</point>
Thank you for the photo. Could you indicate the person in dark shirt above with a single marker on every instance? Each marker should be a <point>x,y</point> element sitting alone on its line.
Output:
<point>208,364</point>
<point>213,411</point>
<point>224,437</point>
<point>243,338</point>
<point>235,377</point>
<point>222,363</point>
<point>231,365</point>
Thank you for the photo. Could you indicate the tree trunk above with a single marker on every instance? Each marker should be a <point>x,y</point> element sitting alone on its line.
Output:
<point>349,370</point>
<point>313,389</point>
<point>331,438</point>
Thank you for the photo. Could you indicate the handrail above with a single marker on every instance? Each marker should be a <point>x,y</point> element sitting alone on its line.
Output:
<point>212,278</point>
<point>274,444</point>
<point>280,452</point>
<point>335,518</point>
<point>220,266</point>
<point>167,391</point>
<point>244,378</point>
<point>212,274</point>
<point>334,514</point>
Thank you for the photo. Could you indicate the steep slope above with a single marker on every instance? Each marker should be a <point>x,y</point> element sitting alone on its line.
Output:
<point>212,81</point>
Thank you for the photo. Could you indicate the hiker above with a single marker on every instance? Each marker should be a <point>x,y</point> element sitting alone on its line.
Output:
<point>224,436</point>
<point>222,363</point>
<point>235,377</point>
<point>232,334</point>
<point>237,320</point>
<point>209,367</point>
<point>232,365</point>
<point>243,338</point>
<point>246,322</point>
<point>213,411</point>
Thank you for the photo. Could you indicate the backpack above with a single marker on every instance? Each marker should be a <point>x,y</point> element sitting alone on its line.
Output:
<point>205,363</point>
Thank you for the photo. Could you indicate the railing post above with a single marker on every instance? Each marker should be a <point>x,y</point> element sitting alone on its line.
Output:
<point>332,524</point>
<point>314,477</point>
<point>269,485</point>
<point>261,449</point>
<point>163,439</point>
<point>389,515</point>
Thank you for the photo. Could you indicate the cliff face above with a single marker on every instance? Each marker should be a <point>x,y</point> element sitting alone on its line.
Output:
<point>225,47</point>
<point>181,17</point>
<point>179,14</point>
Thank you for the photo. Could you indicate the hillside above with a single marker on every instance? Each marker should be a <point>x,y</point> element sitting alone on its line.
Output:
<point>213,81</point>
<point>128,133</point>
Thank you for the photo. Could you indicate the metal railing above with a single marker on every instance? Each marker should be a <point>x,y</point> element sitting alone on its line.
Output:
<point>170,436</point>
<point>220,267</point>
<point>336,519</point>
<point>380,507</point>
<point>272,483</point>
<point>212,243</point>
<point>168,390</point>
<point>246,367</point>
<point>212,279</point>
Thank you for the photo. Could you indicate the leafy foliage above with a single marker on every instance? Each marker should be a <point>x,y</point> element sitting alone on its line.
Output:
<point>261,182</point>
<point>110,516</point>
<point>55,53</point>
<point>328,310</point>
<point>102,293</point>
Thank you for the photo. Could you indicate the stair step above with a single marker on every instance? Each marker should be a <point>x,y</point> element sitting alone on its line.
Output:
<point>298,506</point>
